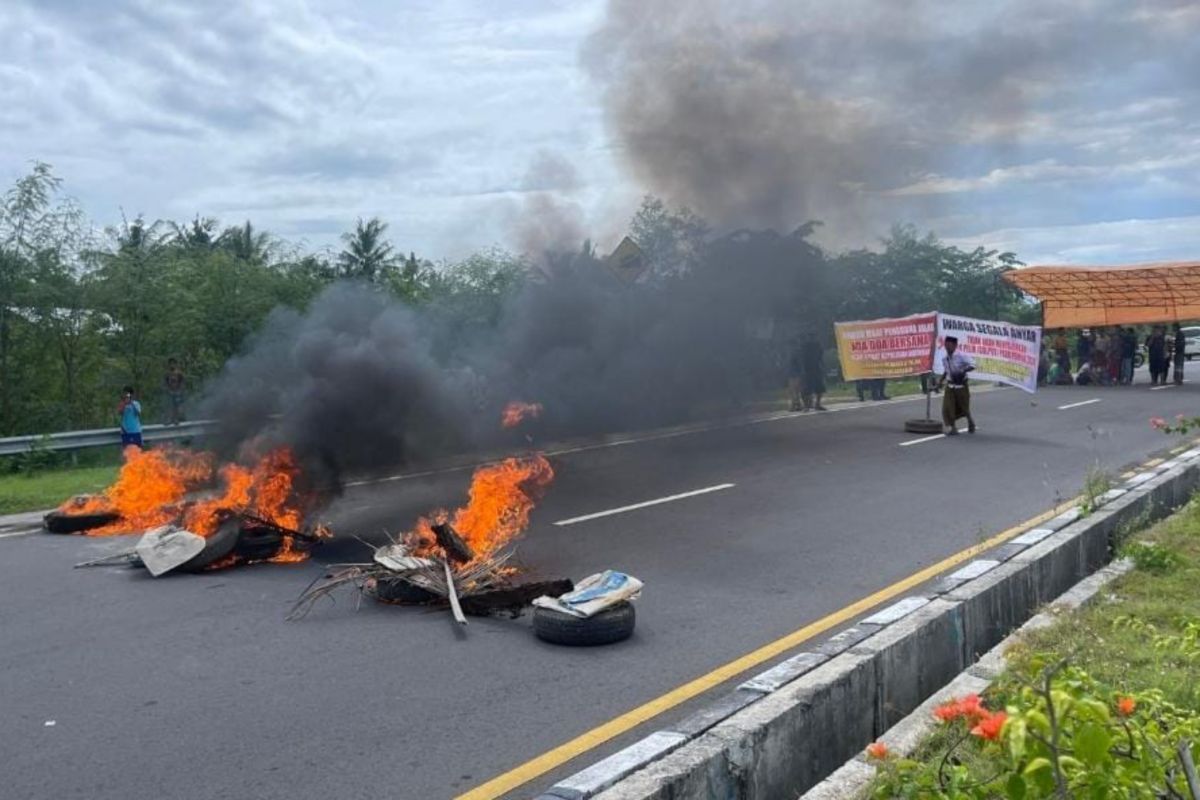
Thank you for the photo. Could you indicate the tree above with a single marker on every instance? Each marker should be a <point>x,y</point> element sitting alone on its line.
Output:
<point>367,254</point>
<point>196,235</point>
<point>244,243</point>
<point>34,232</point>
<point>671,240</point>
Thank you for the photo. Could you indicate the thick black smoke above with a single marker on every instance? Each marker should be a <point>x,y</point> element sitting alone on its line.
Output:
<point>351,385</point>
<point>763,114</point>
<point>361,382</point>
<point>862,113</point>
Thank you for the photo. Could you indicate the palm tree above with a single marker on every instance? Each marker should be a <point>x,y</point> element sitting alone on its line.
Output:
<point>367,255</point>
<point>246,244</point>
<point>196,235</point>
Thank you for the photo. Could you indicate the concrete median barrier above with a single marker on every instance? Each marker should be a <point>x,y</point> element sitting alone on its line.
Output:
<point>784,731</point>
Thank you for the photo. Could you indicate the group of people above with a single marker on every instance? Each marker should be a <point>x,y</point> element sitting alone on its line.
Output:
<point>1107,357</point>
<point>806,377</point>
<point>129,408</point>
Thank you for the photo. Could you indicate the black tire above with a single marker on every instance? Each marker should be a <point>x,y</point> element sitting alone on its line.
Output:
<point>58,522</point>
<point>257,543</point>
<point>610,625</point>
<point>398,590</point>
<point>216,547</point>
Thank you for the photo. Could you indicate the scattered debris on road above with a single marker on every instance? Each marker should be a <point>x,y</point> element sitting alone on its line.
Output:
<point>238,514</point>
<point>460,559</point>
<point>238,539</point>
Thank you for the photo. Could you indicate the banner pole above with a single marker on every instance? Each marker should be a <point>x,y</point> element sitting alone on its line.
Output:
<point>929,424</point>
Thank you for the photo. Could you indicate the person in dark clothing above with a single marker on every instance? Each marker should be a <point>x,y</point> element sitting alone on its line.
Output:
<point>1179,355</point>
<point>1059,346</point>
<point>796,375</point>
<point>813,378</point>
<point>879,389</point>
<point>1083,347</point>
<point>1128,351</point>
<point>1156,352</point>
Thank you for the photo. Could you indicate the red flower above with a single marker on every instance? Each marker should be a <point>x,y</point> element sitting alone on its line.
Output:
<point>972,708</point>
<point>990,726</point>
<point>969,707</point>
<point>878,750</point>
<point>947,712</point>
<point>1126,706</point>
<point>1158,422</point>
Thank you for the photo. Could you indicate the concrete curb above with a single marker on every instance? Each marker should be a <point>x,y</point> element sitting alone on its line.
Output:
<point>853,777</point>
<point>783,731</point>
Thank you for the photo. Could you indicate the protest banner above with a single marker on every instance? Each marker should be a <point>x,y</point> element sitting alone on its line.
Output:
<point>1002,352</point>
<point>886,348</point>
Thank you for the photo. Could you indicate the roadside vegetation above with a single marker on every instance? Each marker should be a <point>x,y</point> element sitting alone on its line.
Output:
<point>41,479</point>
<point>1095,484</point>
<point>1096,706</point>
<point>84,311</point>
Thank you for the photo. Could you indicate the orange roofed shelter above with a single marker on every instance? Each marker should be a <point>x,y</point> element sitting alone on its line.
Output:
<point>1131,294</point>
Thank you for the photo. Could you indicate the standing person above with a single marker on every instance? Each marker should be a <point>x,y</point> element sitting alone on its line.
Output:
<point>1099,357</point>
<point>1083,347</point>
<point>1114,356</point>
<point>795,374</point>
<point>812,373</point>
<point>1156,354</point>
<point>1060,348</point>
<point>129,412</point>
<point>1180,353</point>
<point>1128,351</point>
<point>174,383</point>
<point>956,402</point>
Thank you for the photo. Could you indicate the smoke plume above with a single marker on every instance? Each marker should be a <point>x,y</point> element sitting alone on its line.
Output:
<point>770,113</point>
<point>760,115</point>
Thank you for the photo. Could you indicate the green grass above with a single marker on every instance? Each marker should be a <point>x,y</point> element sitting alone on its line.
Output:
<point>1132,639</point>
<point>46,489</point>
<point>1160,593</point>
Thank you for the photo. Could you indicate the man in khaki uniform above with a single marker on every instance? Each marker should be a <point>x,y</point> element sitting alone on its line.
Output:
<point>956,399</point>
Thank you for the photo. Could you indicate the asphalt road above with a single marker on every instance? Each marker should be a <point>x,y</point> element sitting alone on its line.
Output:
<point>116,685</point>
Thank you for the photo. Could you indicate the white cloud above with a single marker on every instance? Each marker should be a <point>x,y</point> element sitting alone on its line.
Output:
<point>1116,242</point>
<point>305,114</point>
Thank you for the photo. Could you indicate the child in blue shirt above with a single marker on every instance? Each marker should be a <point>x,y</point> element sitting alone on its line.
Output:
<point>129,412</point>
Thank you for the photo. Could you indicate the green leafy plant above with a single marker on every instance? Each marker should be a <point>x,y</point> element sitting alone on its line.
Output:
<point>1061,735</point>
<point>1152,557</point>
<point>1095,484</point>
<point>37,458</point>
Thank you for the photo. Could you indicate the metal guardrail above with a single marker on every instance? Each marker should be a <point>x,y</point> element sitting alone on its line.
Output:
<point>101,437</point>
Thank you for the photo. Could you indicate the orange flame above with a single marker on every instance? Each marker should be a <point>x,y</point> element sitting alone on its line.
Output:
<point>152,485</point>
<point>516,412</point>
<point>265,490</point>
<point>148,489</point>
<point>500,499</point>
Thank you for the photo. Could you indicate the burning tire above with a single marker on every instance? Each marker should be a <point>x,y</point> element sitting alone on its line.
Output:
<point>258,543</point>
<point>216,547</point>
<point>610,625</point>
<point>58,522</point>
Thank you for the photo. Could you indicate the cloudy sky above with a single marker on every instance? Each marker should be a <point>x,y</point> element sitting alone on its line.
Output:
<point>1066,131</point>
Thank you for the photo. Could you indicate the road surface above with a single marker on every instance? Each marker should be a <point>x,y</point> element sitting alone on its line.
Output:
<point>116,685</point>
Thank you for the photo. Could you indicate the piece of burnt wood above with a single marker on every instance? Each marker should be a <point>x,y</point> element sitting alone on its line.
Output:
<point>456,549</point>
<point>398,590</point>
<point>513,599</point>
<point>58,522</point>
